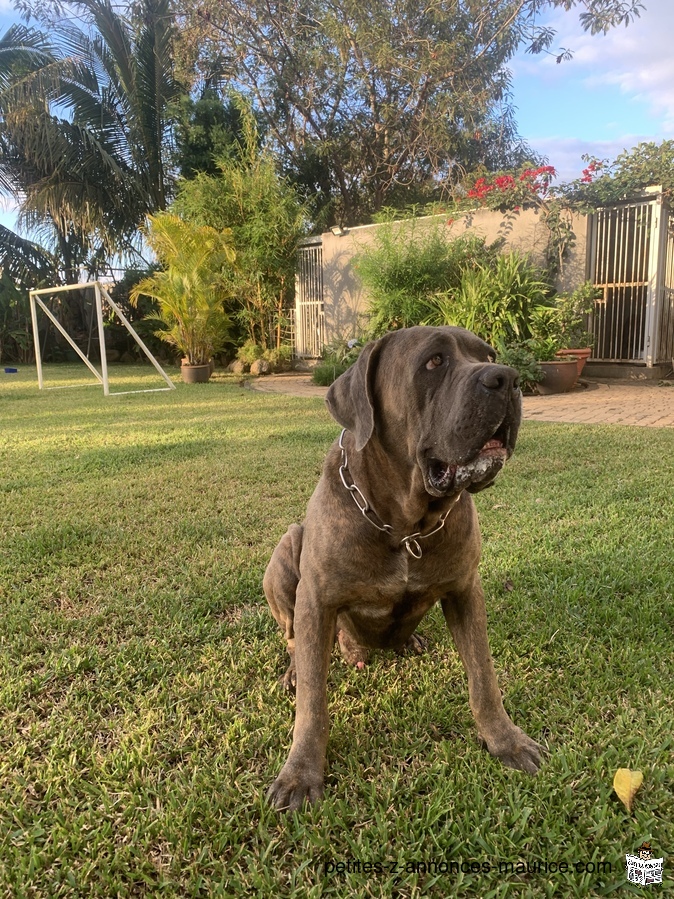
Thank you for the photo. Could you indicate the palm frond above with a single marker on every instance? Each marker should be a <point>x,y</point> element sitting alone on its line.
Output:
<point>26,262</point>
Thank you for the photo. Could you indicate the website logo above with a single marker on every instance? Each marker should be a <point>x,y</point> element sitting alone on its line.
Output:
<point>642,868</point>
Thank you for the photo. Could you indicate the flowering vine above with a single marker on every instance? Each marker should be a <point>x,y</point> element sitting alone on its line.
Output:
<point>529,187</point>
<point>511,190</point>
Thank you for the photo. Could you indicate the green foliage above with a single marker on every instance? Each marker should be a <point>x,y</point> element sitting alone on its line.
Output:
<point>266,221</point>
<point>249,352</point>
<point>137,312</point>
<point>15,324</point>
<point>280,357</point>
<point>495,302</point>
<point>207,129</point>
<point>521,357</point>
<point>543,349</point>
<point>191,289</point>
<point>84,124</point>
<point>370,103</point>
<point>603,182</point>
<point>409,266</point>
<point>327,371</point>
<point>337,357</point>
<point>565,320</point>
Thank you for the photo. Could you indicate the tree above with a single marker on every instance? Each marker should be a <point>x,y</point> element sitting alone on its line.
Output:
<point>266,220</point>
<point>369,99</point>
<point>84,125</point>
<point>207,129</point>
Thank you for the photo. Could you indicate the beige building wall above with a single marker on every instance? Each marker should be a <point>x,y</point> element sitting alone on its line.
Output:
<point>345,301</point>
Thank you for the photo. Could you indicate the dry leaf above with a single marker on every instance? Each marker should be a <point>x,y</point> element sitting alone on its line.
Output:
<point>626,783</point>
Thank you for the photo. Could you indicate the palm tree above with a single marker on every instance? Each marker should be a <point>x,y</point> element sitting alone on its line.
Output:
<point>84,127</point>
<point>190,290</point>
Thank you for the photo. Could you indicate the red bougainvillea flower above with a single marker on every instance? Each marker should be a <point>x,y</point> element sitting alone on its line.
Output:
<point>503,182</point>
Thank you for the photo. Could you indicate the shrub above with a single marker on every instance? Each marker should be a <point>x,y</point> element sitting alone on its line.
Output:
<point>407,267</point>
<point>189,289</point>
<point>495,302</point>
<point>327,372</point>
<point>266,219</point>
<point>565,321</point>
<point>280,358</point>
<point>249,352</point>
<point>337,358</point>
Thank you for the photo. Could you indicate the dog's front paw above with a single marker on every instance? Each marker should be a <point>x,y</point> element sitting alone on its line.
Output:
<point>293,787</point>
<point>515,750</point>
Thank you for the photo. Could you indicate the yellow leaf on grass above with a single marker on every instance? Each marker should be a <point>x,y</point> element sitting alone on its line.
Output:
<point>626,783</point>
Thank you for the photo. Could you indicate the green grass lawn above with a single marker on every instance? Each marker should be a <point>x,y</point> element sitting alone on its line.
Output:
<point>141,722</point>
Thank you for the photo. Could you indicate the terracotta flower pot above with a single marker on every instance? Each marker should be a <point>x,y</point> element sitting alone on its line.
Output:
<point>195,374</point>
<point>558,377</point>
<point>582,355</point>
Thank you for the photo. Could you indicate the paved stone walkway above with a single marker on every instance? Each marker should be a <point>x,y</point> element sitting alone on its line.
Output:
<point>601,402</point>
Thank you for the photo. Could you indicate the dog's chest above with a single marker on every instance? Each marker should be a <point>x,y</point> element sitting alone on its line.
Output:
<point>402,588</point>
<point>402,574</point>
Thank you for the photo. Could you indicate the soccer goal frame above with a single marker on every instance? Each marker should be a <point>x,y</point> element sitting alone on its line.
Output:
<point>100,292</point>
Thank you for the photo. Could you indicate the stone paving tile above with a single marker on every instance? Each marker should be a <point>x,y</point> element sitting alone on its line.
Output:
<point>602,402</point>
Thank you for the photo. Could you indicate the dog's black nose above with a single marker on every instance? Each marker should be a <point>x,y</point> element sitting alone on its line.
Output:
<point>499,378</point>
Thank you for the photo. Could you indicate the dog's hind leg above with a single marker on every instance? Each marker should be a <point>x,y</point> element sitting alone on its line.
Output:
<point>280,586</point>
<point>352,652</point>
<point>416,645</point>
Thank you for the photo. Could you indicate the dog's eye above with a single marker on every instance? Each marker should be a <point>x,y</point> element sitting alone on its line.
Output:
<point>434,362</point>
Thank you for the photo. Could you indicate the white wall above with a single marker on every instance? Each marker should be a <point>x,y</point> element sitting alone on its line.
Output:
<point>346,302</point>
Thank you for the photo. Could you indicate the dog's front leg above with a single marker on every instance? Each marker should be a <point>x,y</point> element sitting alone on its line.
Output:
<point>301,778</point>
<point>466,618</point>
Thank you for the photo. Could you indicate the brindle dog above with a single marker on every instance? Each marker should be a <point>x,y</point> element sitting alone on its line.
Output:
<point>391,529</point>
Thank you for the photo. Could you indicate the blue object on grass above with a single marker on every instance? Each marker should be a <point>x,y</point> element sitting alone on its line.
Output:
<point>11,371</point>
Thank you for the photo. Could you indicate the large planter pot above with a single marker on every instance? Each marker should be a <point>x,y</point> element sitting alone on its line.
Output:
<point>582,355</point>
<point>558,377</point>
<point>195,374</point>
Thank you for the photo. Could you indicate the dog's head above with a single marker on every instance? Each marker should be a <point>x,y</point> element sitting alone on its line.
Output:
<point>436,395</point>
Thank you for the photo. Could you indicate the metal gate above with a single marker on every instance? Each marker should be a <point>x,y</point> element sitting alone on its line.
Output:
<point>632,261</point>
<point>309,314</point>
<point>665,323</point>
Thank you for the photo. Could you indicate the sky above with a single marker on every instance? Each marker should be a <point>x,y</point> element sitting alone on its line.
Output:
<point>617,91</point>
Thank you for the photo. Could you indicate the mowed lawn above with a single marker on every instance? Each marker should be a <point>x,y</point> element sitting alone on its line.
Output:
<point>140,718</point>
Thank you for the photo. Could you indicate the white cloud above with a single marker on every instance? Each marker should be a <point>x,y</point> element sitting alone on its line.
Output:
<point>637,59</point>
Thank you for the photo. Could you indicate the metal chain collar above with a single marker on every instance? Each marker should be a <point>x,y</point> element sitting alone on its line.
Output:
<point>411,542</point>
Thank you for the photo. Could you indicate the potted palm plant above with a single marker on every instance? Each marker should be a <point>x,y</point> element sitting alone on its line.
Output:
<point>189,290</point>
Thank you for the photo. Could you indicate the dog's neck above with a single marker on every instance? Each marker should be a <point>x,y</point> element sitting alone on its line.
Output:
<point>403,503</point>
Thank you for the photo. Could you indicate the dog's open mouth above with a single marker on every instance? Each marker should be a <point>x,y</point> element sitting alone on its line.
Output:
<point>443,476</point>
<point>493,448</point>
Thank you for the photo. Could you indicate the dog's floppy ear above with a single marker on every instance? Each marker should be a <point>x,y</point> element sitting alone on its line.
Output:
<point>350,397</point>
